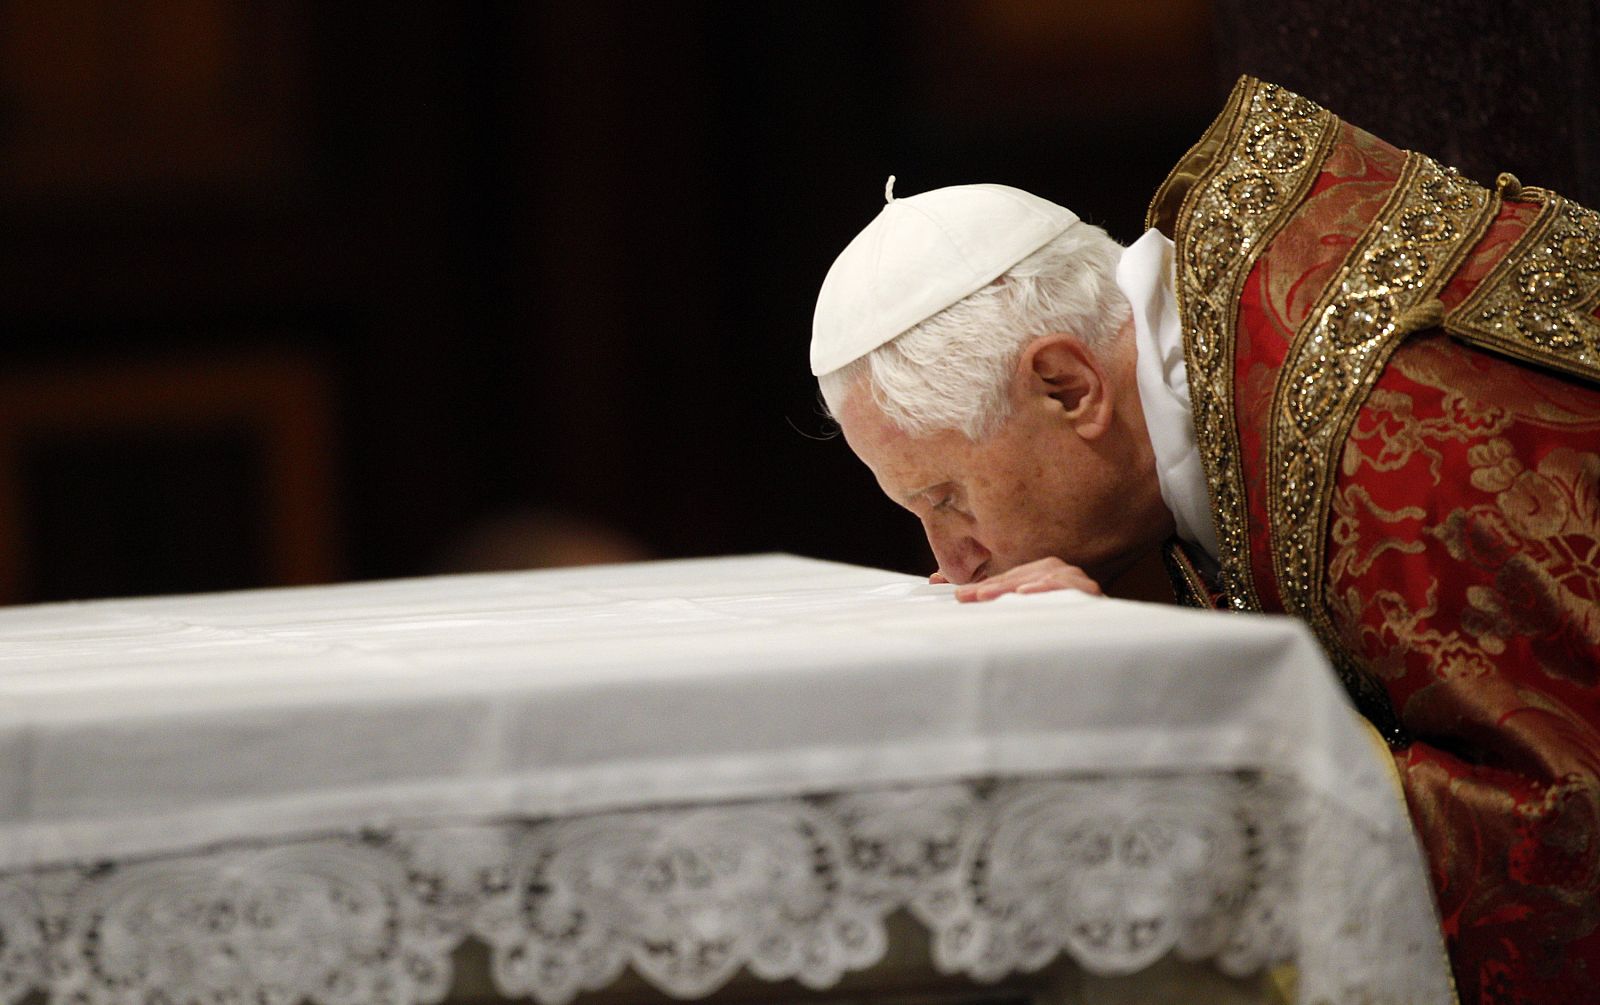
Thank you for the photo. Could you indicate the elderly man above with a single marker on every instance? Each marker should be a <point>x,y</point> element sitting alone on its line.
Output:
<point>1335,380</point>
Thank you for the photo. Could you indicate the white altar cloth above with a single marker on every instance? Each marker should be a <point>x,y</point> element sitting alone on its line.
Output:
<point>449,715</point>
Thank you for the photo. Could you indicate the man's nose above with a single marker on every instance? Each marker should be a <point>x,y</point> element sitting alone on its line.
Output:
<point>960,556</point>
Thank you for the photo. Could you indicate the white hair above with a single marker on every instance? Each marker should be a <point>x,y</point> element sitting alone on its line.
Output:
<point>954,370</point>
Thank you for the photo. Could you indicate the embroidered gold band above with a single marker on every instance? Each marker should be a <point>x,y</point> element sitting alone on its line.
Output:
<point>1274,143</point>
<point>1188,585</point>
<point>1385,290</point>
<point>1537,304</point>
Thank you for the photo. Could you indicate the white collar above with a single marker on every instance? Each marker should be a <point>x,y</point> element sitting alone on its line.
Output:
<point>1145,277</point>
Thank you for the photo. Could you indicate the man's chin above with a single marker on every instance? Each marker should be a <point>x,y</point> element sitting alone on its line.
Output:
<point>1103,570</point>
<point>1136,572</point>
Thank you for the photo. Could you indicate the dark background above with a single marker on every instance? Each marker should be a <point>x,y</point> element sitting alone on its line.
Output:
<point>301,291</point>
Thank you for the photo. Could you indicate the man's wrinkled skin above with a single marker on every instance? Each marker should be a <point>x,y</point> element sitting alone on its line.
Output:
<point>1063,495</point>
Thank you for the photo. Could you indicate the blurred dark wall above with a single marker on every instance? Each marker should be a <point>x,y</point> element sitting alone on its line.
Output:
<point>554,255</point>
<point>300,291</point>
<point>1485,87</point>
<point>365,276</point>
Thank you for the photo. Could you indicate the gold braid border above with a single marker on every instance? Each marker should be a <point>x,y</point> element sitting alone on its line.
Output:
<point>1188,585</point>
<point>1385,290</point>
<point>1536,304</point>
<point>1243,181</point>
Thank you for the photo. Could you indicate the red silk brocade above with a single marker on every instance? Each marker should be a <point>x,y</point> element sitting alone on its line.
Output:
<point>1464,569</point>
<point>1402,434</point>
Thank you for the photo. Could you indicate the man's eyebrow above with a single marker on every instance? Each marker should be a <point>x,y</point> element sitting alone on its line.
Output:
<point>912,497</point>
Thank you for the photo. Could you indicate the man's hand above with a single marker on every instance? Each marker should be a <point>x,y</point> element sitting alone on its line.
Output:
<point>1036,577</point>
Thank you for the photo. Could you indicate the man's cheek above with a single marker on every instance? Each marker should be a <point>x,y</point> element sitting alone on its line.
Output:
<point>1010,544</point>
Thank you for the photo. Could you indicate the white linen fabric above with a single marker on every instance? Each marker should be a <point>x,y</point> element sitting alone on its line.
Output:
<point>684,767</point>
<point>1144,274</point>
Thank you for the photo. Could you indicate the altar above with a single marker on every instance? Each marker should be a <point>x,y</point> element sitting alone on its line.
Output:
<point>681,777</point>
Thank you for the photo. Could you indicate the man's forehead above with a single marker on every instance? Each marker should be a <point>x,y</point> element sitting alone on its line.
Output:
<point>870,432</point>
<point>858,410</point>
<point>906,466</point>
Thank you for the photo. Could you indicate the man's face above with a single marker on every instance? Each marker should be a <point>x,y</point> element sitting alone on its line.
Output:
<point>1036,488</point>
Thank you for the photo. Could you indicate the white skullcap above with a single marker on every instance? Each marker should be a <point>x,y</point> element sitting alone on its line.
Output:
<point>920,255</point>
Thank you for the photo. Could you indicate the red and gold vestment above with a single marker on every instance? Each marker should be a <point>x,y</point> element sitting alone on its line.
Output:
<point>1395,379</point>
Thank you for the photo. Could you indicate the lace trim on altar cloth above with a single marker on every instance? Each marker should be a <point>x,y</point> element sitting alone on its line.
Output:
<point>1243,870</point>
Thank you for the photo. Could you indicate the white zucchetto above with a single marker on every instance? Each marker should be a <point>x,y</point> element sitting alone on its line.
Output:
<point>920,255</point>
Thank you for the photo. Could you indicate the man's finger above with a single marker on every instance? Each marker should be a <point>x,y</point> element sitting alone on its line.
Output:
<point>986,590</point>
<point>1026,579</point>
<point>937,578</point>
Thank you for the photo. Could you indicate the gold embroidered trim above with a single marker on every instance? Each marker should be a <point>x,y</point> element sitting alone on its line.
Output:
<point>1264,151</point>
<point>1386,288</point>
<point>1536,305</point>
<point>1189,587</point>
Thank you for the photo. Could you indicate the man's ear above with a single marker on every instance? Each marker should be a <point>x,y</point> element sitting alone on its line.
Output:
<point>1058,372</point>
